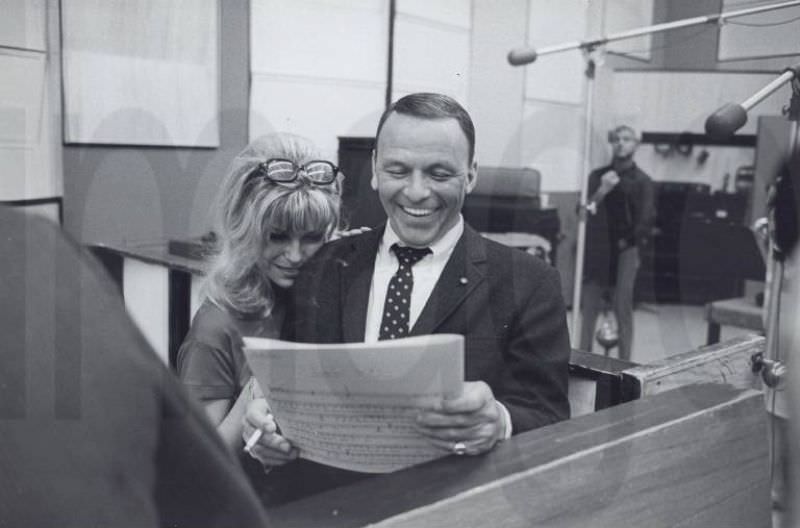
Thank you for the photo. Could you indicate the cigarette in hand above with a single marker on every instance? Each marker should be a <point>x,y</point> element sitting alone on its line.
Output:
<point>253,440</point>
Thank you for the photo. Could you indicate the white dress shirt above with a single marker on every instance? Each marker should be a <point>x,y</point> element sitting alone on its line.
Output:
<point>426,273</point>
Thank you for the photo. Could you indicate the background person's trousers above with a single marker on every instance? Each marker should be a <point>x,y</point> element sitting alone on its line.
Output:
<point>592,303</point>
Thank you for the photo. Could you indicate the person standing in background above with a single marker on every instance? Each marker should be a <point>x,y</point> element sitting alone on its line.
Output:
<point>620,216</point>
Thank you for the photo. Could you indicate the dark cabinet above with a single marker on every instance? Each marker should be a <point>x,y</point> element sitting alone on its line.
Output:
<point>360,204</point>
<point>700,250</point>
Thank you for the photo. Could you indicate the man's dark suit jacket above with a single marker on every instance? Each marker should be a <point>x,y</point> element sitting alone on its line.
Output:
<point>506,303</point>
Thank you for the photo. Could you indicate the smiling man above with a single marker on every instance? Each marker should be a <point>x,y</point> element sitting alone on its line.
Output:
<point>435,274</point>
<point>422,170</point>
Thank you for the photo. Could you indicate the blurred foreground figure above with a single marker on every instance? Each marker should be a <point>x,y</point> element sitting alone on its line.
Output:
<point>94,429</point>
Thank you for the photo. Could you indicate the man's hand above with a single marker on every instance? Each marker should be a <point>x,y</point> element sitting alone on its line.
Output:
<point>608,181</point>
<point>272,449</point>
<point>472,420</point>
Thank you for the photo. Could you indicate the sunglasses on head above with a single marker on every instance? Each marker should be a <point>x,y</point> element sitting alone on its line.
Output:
<point>278,170</point>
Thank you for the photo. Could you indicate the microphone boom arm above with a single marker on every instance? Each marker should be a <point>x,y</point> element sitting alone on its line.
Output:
<point>526,55</point>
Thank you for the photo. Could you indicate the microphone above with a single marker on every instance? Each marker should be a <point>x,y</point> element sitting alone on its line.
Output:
<point>731,117</point>
<point>726,120</point>
<point>520,56</point>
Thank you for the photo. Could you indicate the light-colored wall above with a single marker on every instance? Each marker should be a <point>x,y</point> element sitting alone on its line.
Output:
<point>496,90</point>
<point>532,115</point>
<point>318,68</point>
<point>322,71</point>
<point>114,194</point>
<point>30,121</point>
<point>684,84</point>
<point>432,43</point>
<point>535,115</point>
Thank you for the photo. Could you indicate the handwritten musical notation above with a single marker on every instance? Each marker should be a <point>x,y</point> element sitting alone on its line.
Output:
<point>354,405</point>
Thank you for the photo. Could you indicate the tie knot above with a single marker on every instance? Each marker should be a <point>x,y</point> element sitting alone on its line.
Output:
<point>409,255</point>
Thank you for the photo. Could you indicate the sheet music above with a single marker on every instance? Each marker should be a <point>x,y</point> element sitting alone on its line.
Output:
<point>353,405</point>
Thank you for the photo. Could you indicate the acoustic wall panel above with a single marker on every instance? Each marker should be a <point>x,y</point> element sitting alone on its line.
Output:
<point>315,38</point>
<point>21,96</point>
<point>764,34</point>
<point>141,73</point>
<point>29,149</point>
<point>624,15</point>
<point>23,24</point>
<point>318,68</point>
<point>456,13</point>
<point>552,142</point>
<point>431,56</point>
<point>557,77</point>
<point>320,109</point>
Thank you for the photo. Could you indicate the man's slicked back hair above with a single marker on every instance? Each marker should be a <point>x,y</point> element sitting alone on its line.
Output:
<point>428,105</point>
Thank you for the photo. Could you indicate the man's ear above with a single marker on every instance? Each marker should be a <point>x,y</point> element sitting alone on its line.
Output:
<point>472,176</point>
<point>374,180</point>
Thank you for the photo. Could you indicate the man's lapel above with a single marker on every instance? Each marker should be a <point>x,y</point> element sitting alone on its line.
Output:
<point>462,273</point>
<point>356,280</point>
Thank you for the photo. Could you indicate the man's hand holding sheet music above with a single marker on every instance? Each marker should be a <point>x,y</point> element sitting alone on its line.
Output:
<point>471,423</point>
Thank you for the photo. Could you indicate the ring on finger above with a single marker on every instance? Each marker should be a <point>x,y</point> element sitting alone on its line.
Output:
<point>459,448</point>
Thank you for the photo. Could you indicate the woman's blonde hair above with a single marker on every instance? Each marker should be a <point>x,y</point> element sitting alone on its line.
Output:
<point>250,207</point>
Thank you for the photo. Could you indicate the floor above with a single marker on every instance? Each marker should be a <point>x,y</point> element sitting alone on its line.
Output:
<point>663,330</point>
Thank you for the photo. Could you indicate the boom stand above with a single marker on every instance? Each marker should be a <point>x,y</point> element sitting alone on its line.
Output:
<point>585,168</point>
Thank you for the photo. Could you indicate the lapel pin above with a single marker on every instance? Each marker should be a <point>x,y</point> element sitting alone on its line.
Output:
<point>463,280</point>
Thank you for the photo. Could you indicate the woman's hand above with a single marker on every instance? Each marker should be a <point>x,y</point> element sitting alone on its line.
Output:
<point>349,232</point>
<point>272,449</point>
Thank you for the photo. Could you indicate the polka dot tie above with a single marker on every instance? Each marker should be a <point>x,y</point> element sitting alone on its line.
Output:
<point>396,309</point>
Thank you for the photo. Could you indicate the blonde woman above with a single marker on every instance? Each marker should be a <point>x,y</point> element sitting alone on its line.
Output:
<point>278,205</point>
